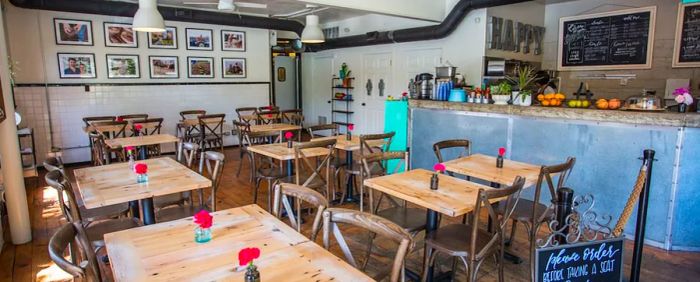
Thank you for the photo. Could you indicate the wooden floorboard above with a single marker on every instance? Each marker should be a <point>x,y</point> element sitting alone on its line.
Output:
<point>30,262</point>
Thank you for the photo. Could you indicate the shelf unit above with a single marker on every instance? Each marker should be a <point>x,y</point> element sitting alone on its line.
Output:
<point>340,108</point>
<point>28,153</point>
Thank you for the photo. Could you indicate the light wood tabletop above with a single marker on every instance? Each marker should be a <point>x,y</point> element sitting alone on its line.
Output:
<point>113,184</point>
<point>279,151</point>
<point>167,251</point>
<point>141,140</point>
<point>484,167</point>
<point>102,128</point>
<point>259,128</point>
<point>348,145</point>
<point>454,196</point>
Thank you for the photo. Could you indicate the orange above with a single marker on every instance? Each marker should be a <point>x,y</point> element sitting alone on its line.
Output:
<point>602,104</point>
<point>545,103</point>
<point>549,96</point>
<point>540,97</point>
<point>559,96</point>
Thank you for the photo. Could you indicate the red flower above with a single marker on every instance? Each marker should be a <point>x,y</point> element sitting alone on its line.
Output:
<point>501,151</point>
<point>204,219</point>
<point>288,135</point>
<point>404,94</point>
<point>120,119</point>
<point>247,255</point>
<point>138,127</point>
<point>269,115</point>
<point>351,126</point>
<point>141,168</point>
<point>439,167</point>
<point>129,148</point>
<point>270,107</point>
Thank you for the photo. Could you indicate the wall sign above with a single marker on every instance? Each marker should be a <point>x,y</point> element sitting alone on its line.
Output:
<point>686,50</point>
<point>613,40</point>
<point>588,261</point>
<point>508,35</point>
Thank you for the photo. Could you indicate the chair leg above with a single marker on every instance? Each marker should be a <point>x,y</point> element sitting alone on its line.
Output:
<point>269,195</point>
<point>429,259</point>
<point>512,233</point>
<point>255,191</point>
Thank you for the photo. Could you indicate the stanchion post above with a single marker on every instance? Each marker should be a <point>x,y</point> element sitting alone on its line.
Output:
<point>636,266</point>
<point>564,206</point>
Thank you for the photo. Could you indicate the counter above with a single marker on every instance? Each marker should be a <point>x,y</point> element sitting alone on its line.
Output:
<point>606,145</point>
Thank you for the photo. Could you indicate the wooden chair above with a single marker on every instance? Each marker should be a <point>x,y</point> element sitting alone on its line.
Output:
<point>247,114</point>
<point>187,133</point>
<point>471,244</point>
<point>149,126</point>
<point>54,163</point>
<point>133,117</point>
<point>101,154</point>
<point>89,120</point>
<point>313,172</point>
<point>186,155</point>
<point>268,116</point>
<point>268,108</point>
<point>365,148</point>
<point>331,129</point>
<point>462,145</point>
<point>211,132</point>
<point>373,224</point>
<point>66,239</point>
<point>284,191</point>
<point>295,116</point>
<point>97,222</point>
<point>116,129</point>
<point>242,129</point>
<point>532,213</point>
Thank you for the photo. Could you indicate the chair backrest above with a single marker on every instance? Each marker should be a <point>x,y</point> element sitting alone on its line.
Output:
<point>67,237</point>
<point>246,114</point>
<point>187,152</point>
<point>317,165</point>
<point>372,223</point>
<point>89,120</point>
<point>463,145</point>
<point>332,128</point>
<point>59,181</point>
<point>380,160</point>
<point>545,177</point>
<point>97,142</point>
<point>53,163</point>
<point>149,126</point>
<point>485,199</point>
<point>191,114</point>
<point>133,117</point>
<point>385,142</point>
<point>212,125</point>
<point>268,116</point>
<point>242,128</point>
<point>114,129</point>
<point>269,108</point>
<point>211,164</point>
<point>295,116</point>
<point>283,191</point>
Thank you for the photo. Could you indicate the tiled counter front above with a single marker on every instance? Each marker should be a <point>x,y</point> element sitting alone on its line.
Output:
<point>56,112</point>
<point>606,158</point>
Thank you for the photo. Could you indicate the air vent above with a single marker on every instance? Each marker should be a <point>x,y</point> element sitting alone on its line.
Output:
<point>331,32</point>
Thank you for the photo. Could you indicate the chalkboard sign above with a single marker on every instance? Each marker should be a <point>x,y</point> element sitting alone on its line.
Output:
<point>686,51</point>
<point>614,40</point>
<point>586,262</point>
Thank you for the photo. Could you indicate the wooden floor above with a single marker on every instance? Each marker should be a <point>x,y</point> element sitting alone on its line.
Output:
<point>30,262</point>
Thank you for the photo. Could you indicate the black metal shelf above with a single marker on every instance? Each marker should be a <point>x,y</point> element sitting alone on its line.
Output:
<point>342,123</point>
<point>336,78</point>
<point>346,100</point>
<point>343,87</point>
<point>343,112</point>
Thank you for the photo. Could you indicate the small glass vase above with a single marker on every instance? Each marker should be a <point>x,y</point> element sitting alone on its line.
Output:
<point>142,178</point>
<point>252,274</point>
<point>202,235</point>
<point>682,108</point>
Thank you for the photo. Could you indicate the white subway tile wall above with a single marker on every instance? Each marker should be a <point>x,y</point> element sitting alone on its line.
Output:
<point>68,105</point>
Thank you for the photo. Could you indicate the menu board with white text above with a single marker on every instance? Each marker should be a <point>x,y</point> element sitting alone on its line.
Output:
<point>687,46</point>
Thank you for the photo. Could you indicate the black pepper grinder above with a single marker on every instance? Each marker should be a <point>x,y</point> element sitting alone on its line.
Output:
<point>434,181</point>
<point>348,136</point>
<point>252,274</point>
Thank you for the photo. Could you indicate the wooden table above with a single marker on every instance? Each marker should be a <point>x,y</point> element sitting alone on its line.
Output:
<point>279,151</point>
<point>142,254</point>
<point>454,196</point>
<point>114,184</point>
<point>274,127</point>
<point>137,141</point>
<point>484,167</point>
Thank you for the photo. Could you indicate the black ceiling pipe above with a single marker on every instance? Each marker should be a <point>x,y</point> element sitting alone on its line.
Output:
<point>126,9</point>
<point>442,30</point>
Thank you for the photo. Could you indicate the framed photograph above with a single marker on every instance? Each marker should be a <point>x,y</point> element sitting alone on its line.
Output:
<point>163,66</point>
<point>123,66</point>
<point>233,68</point>
<point>72,65</point>
<point>163,40</point>
<point>232,40</point>
<point>200,67</point>
<point>120,35</point>
<point>199,39</point>
<point>73,32</point>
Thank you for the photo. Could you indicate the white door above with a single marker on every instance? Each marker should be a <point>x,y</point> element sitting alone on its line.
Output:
<point>414,62</point>
<point>319,96</point>
<point>285,76</point>
<point>371,91</point>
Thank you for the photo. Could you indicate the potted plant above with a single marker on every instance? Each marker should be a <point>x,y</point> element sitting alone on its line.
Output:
<point>526,75</point>
<point>501,93</point>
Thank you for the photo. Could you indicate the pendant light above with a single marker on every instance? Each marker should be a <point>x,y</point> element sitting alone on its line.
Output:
<point>312,32</point>
<point>147,17</point>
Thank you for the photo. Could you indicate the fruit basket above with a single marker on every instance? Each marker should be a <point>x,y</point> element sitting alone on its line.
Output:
<point>551,100</point>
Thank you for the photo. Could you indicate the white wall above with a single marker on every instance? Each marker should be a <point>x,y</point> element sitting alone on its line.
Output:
<point>373,22</point>
<point>32,44</point>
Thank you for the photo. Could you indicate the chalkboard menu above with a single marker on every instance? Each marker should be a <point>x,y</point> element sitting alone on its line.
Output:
<point>589,261</point>
<point>687,48</point>
<point>614,40</point>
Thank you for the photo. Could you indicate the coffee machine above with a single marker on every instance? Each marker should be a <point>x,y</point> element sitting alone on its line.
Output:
<point>424,86</point>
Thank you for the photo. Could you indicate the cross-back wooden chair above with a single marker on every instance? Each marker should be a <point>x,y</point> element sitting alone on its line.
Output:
<point>532,213</point>
<point>133,117</point>
<point>368,145</point>
<point>285,191</point>
<point>182,130</point>
<point>247,114</point>
<point>374,224</point>
<point>114,129</point>
<point>462,145</point>
<point>269,108</point>
<point>310,171</point>
<point>242,129</point>
<point>331,129</point>
<point>294,116</point>
<point>211,131</point>
<point>71,237</point>
<point>268,116</point>
<point>54,163</point>
<point>149,126</point>
<point>470,243</point>
<point>90,120</point>
<point>101,154</point>
<point>186,155</point>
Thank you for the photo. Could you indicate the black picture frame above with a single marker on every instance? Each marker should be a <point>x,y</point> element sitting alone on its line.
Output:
<point>175,39</point>
<point>57,33</point>
<point>61,73</point>
<point>223,40</point>
<point>177,67</point>
<point>223,68</point>
<point>106,36</point>
<point>211,38</point>
<point>189,66</point>
<point>137,61</point>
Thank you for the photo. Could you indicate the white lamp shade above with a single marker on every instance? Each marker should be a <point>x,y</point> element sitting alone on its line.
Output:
<point>312,32</point>
<point>147,17</point>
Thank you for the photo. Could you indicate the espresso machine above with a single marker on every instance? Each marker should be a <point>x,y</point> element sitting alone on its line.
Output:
<point>424,86</point>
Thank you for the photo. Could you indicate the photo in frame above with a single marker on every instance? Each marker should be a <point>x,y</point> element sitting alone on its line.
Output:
<point>164,66</point>
<point>232,40</point>
<point>120,35</point>
<point>123,66</point>
<point>233,68</point>
<point>73,32</point>
<point>163,40</point>
<point>200,67</point>
<point>76,65</point>
<point>199,39</point>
